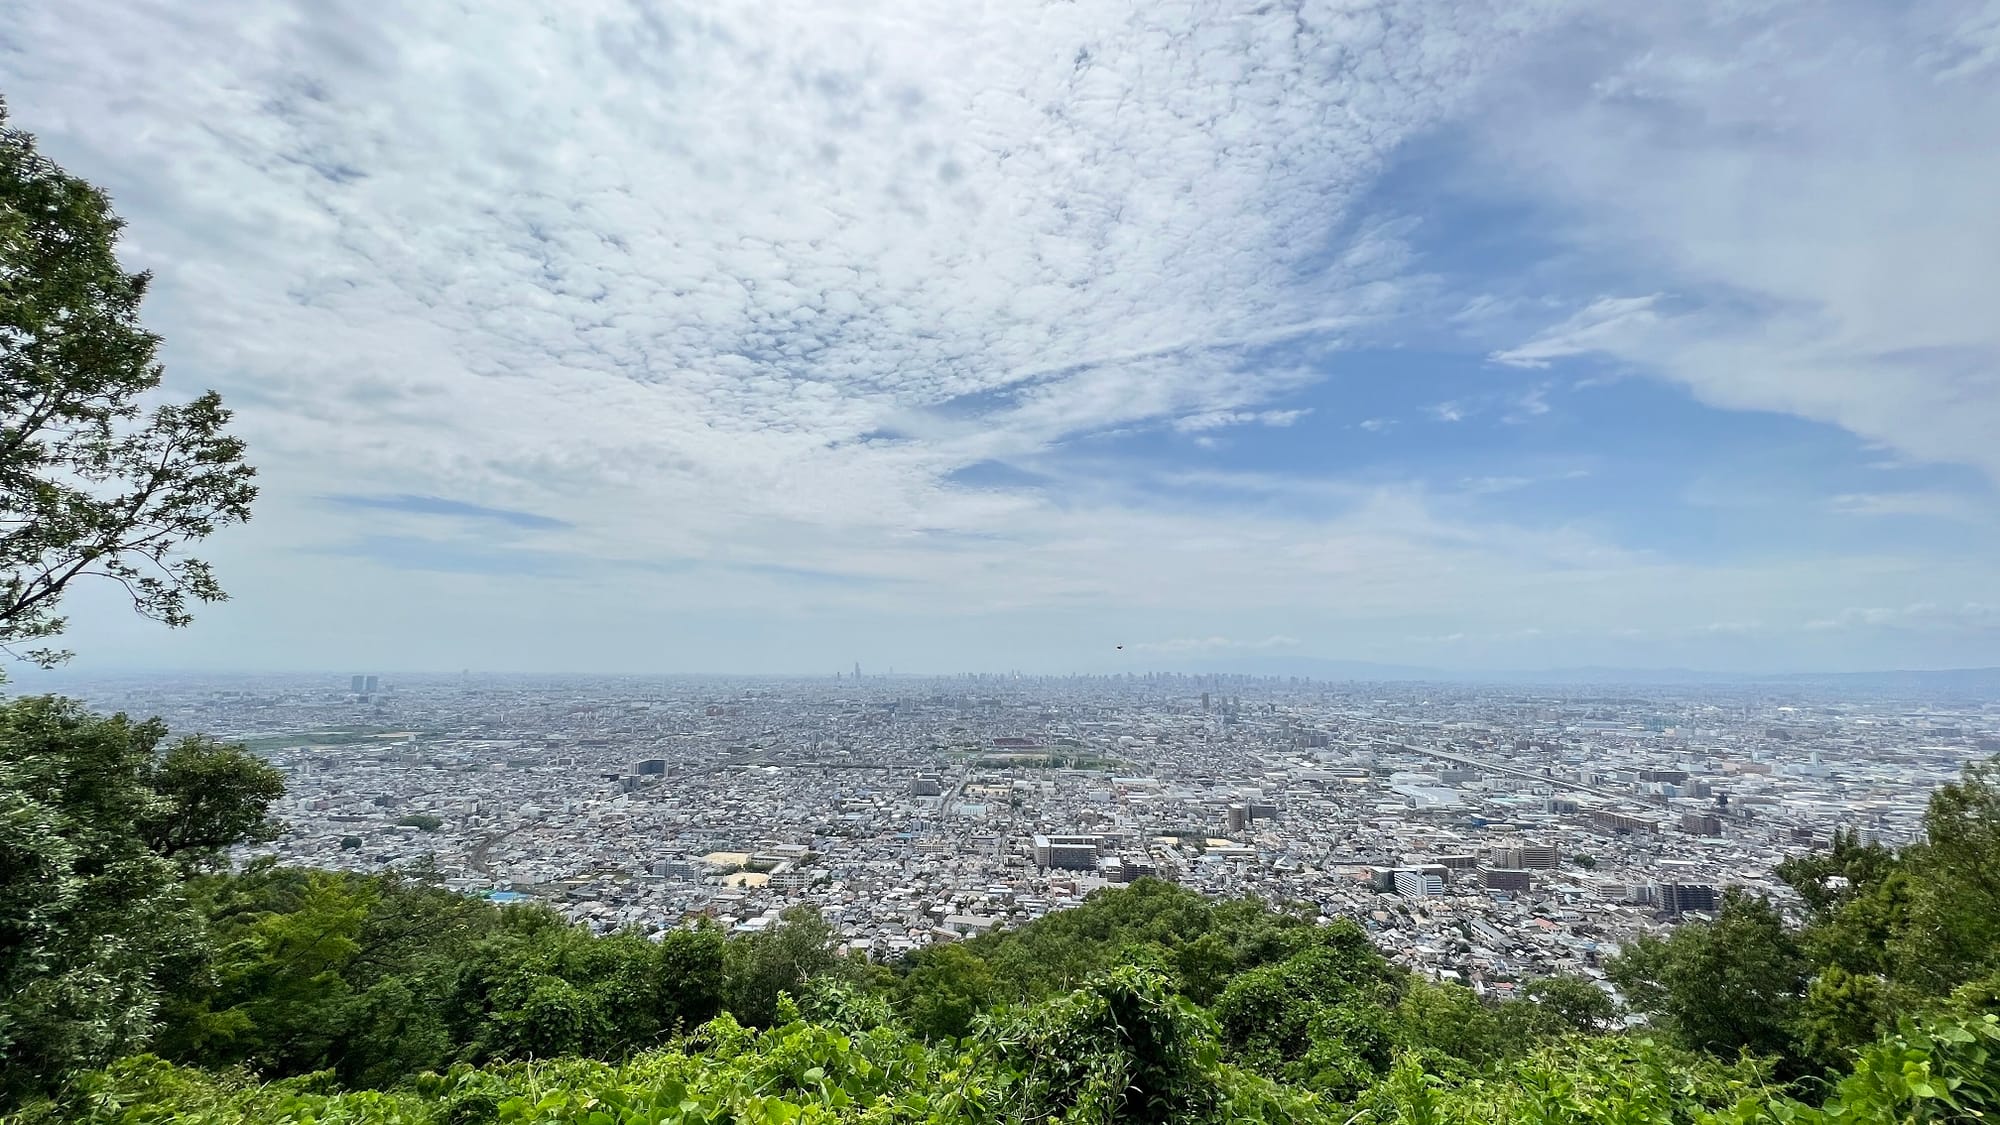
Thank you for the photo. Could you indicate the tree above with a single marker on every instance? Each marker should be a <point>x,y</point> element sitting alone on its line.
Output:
<point>1722,986</point>
<point>948,987</point>
<point>1841,1011</point>
<point>691,980</point>
<point>216,796</point>
<point>279,985</point>
<point>1062,950</point>
<point>1450,1019</point>
<point>96,830</point>
<point>1888,930</point>
<point>1953,930</point>
<point>1828,880</point>
<point>91,484</point>
<point>1123,1048</point>
<point>1858,900</point>
<point>779,960</point>
<point>1572,1003</point>
<point>1205,966</point>
<point>1320,1017</point>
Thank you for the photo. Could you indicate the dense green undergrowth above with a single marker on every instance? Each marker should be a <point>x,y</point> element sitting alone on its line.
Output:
<point>1121,1049</point>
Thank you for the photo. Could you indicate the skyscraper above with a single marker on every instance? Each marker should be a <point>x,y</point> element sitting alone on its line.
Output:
<point>371,685</point>
<point>354,684</point>
<point>857,669</point>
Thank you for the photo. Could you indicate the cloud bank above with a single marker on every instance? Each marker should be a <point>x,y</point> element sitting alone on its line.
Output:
<point>659,335</point>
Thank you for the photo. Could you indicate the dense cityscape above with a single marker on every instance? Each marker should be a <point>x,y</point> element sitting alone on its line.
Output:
<point>1483,834</point>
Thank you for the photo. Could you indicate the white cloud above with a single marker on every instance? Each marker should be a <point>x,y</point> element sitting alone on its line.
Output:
<point>1810,181</point>
<point>735,291</point>
<point>674,271</point>
<point>1600,326</point>
<point>1528,406</point>
<point>1491,485</point>
<point>1216,419</point>
<point>1486,486</point>
<point>1919,616</point>
<point>1184,645</point>
<point>1934,505</point>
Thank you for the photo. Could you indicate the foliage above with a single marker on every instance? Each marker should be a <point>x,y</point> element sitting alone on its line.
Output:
<point>1571,1004</point>
<point>1888,933</point>
<point>1122,1048</point>
<point>1954,887</point>
<point>1446,1022</point>
<point>91,485</point>
<point>1205,942</point>
<point>1857,900</point>
<point>761,966</point>
<point>1611,1080</point>
<point>1724,986</point>
<point>1321,1018</point>
<point>948,986</point>
<point>1841,1011</point>
<point>214,797</point>
<point>98,826</point>
<point>375,979</point>
<point>1947,1070</point>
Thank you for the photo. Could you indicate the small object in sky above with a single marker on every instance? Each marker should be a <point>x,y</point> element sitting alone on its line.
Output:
<point>1121,648</point>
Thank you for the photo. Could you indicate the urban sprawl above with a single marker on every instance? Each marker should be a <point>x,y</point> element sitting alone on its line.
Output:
<point>1483,834</point>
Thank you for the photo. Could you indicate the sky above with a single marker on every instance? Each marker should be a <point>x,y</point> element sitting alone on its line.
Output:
<point>623,335</point>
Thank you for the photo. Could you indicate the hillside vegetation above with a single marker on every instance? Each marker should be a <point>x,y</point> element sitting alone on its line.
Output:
<point>149,984</point>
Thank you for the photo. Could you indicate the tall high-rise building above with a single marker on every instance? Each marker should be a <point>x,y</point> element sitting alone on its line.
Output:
<point>857,669</point>
<point>354,684</point>
<point>371,685</point>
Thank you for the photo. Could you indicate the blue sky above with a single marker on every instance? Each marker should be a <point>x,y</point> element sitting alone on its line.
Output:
<point>639,336</point>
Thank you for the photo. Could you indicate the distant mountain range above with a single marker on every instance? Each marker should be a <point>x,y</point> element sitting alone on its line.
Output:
<point>1978,681</point>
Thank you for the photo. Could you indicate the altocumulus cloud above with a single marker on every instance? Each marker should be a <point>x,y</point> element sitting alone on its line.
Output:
<point>800,304</point>
<point>457,509</point>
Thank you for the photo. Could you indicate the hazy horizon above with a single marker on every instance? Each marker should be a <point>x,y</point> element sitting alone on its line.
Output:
<point>23,680</point>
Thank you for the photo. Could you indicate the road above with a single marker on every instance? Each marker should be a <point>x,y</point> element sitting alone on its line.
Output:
<point>1531,775</point>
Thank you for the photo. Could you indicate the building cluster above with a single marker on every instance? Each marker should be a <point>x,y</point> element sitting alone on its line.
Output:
<point>1485,834</point>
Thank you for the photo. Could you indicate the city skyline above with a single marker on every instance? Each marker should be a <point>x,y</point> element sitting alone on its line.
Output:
<point>640,337</point>
<point>1957,684</point>
<point>1476,833</point>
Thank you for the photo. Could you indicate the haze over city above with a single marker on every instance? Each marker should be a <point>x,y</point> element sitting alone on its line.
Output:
<point>618,337</point>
